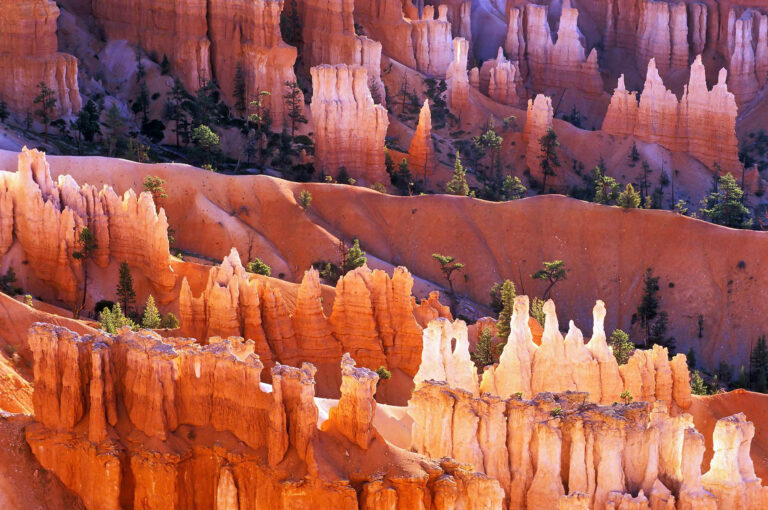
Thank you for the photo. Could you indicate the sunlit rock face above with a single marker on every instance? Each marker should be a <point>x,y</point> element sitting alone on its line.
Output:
<point>156,410</point>
<point>702,123</point>
<point>29,55</point>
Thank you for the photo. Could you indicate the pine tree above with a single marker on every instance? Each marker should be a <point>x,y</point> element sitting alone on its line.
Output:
<point>698,386</point>
<point>448,266</point>
<point>151,318</point>
<point>4,111</point>
<point>114,319</point>
<point>508,295</point>
<point>115,124</point>
<point>175,111</point>
<point>294,105</point>
<point>549,161</point>
<point>691,358</point>
<point>257,266</point>
<point>156,186</point>
<point>169,321</point>
<point>552,272</point>
<point>354,258</point>
<point>537,310</point>
<point>484,351</point>
<point>621,346</point>
<point>653,322</point>
<point>165,66</point>
<point>458,184</point>
<point>724,206</point>
<point>126,296</point>
<point>629,198</point>
<point>86,247</point>
<point>758,365</point>
<point>514,188</point>
<point>489,143</point>
<point>606,188</point>
<point>47,101</point>
<point>87,122</point>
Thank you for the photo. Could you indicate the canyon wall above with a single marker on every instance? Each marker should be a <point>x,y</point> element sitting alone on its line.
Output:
<point>129,420</point>
<point>45,217</point>
<point>349,128</point>
<point>209,40</point>
<point>702,123</point>
<point>534,423</point>
<point>29,55</point>
<point>372,319</point>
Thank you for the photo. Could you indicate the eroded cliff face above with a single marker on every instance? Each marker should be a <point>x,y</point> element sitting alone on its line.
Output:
<point>702,123</point>
<point>372,319</point>
<point>349,128</point>
<point>45,218</point>
<point>561,63</point>
<point>127,420</point>
<point>29,55</point>
<point>209,40</point>
<point>558,450</point>
<point>422,158</point>
<point>538,120</point>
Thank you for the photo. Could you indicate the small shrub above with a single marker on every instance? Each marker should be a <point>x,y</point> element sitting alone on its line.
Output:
<point>169,321</point>
<point>557,412</point>
<point>626,396</point>
<point>305,199</point>
<point>257,266</point>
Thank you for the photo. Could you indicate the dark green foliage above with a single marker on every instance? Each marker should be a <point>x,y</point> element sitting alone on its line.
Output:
<point>114,319</point>
<point>507,296</point>
<point>537,310</point>
<point>725,206</point>
<point>126,296</point>
<point>257,266</point>
<point>305,198</point>
<point>439,109</point>
<point>698,386</point>
<point>606,189</point>
<point>294,105</point>
<point>352,258</point>
<point>652,321</point>
<point>165,66</point>
<point>484,353</point>
<point>549,161</point>
<point>552,272</point>
<point>239,90</point>
<point>574,117</point>
<point>86,247</point>
<point>87,123</point>
<point>290,24</point>
<point>458,184</point>
<point>46,100</point>
<point>401,178</point>
<point>621,346</point>
<point>724,372</point>
<point>175,111</point>
<point>758,365</point>
<point>629,198</point>
<point>489,144</point>
<point>154,130</point>
<point>207,141</point>
<point>4,111</point>
<point>7,283</point>
<point>691,358</point>
<point>383,373</point>
<point>169,322</point>
<point>513,188</point>
<point>448,266</point>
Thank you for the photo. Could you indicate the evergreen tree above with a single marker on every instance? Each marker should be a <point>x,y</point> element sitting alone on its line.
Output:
<point>402,178</point>
<point>629,198</point>
<point>489,143</point>
<point>724,372</point>
<point>690,357</point>
<point>758,365</point>
<point>458,184</point>
<point>483,354</point>
<point>165,66</point>
<point>537,310</point>
<point>141,105</point>
<point>513,188</point>
<point>151,318</point>
<point>294,105</point>
<point>508,295</point>
<point>114,319</point>
<point>47,101</point>
<point>549,161</point>
<point>383,374</point>
<point>126,296</point>
<point>156,186</point>
<point>86,247</point>
<point>169,321</point>
<point>290,24</point>
<point>551,272</point>
<point>257,266</point>
<point>606,188</point>
<point>353,258</point>
<point>634,155</point>
<point>653,322</point>
<point>743,380</point>
<point>176,112</point>
<point>115,124</point>
<point>239,91</point>
<point>261,116</point>
<point>448,266</point>
<point>698,386</point>
<point>621,346</point>
<point>207,141</point>
<point>725,207</point>
<point>87,122</point>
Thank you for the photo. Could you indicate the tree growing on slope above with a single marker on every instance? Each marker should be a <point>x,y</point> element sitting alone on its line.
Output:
<point>552,272</point>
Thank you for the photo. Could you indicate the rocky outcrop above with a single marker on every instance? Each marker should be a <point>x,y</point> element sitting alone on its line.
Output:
<point>538,120</point>
<point>457,79</point>
<point>48,216</point>
<point>432,41</point>
<point>561,64</point>
<point>746,53</point>
<point>329,37</point>
<point>421,153</point>
<point>210,40</point>
<point>702,123</point>
<point>372,319</point>
<point>349,129</point>
<point>441,362</point>
<point>29,55</point>
<point>155,411</point>
<point>246,34</point>
<point>558,451</point>
<point>502,81</point>
<point>557,364</point>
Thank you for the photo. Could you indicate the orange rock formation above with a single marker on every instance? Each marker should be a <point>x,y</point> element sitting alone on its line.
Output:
<point>126,420</point>
<point>47,217</point>
<point>538,120</point>
<point>349,128</point>
<point>457,79</point>
<point>29,55</point>
<point>702,123</point>
<point>421,153</point>
<point>502,81</point>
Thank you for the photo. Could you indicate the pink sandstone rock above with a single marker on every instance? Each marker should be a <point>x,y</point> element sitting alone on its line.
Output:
<point>421,153</point>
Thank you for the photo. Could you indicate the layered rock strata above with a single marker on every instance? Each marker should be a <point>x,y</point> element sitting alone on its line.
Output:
<point>560,451</point>
<point>29,55</point>
<point>210,40</point>
<point>372,319</point>
<point>561,64</point>
<point>421,153</point>
<point>349,129</point>
<point>702,123</point>
<point>502,81</point>
<point>558,364</point>
<point>457,79</point>
<point>125,421</point>
<point>46,217</point>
